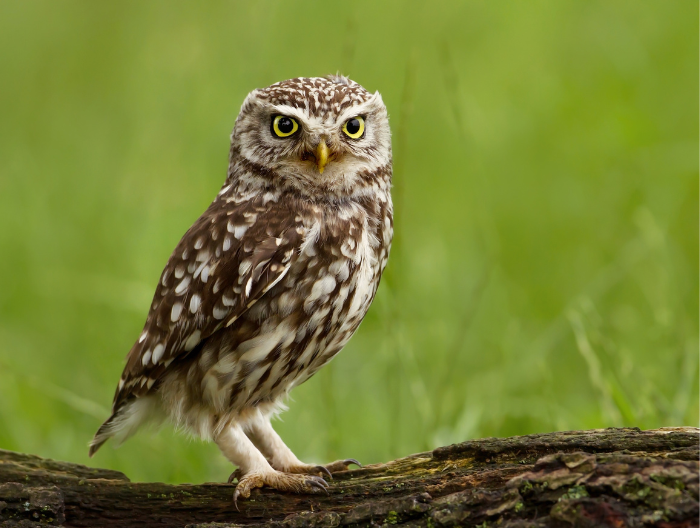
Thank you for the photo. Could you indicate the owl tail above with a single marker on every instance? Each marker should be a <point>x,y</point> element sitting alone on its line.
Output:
<point>125,421</point>
<point>103,434</point>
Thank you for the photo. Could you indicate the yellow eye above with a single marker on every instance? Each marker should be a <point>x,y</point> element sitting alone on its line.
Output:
<point>283,126</point>
<point>354,127</point>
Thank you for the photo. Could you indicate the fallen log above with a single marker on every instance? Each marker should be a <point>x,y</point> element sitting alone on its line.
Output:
<point>606,477</point>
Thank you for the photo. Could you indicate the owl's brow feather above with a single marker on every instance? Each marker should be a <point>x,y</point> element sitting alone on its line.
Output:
<point>318,95</point>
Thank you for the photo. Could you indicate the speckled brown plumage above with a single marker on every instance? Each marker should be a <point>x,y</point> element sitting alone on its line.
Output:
<point>271,281</point>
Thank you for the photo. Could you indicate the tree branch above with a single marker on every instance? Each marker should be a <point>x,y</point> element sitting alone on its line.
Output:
<point>610,477</point>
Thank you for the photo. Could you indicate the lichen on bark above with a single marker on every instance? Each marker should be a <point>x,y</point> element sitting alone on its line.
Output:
<point>610,477</point>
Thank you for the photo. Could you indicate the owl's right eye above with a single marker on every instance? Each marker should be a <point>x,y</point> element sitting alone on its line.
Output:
<point>283,126</point>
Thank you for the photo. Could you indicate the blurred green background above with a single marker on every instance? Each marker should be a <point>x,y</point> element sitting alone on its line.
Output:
<point>545,268</point>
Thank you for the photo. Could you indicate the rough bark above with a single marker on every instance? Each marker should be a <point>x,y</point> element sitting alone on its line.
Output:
<point>611,477</point>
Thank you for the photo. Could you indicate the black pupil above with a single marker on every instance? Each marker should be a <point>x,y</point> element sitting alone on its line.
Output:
<point>353,126</point>
<point>285,125</point>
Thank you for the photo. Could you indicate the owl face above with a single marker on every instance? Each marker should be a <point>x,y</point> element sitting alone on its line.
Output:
<point>318,136</point>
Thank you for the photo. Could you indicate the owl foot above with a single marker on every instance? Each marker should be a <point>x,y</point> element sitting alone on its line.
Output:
<point>276,480</point>
<point>327,470</point>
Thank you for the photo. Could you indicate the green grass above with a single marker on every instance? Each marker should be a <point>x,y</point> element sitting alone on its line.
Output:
<point>545,270</point>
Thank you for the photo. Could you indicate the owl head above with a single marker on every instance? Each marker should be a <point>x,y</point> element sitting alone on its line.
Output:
<point>317,136</point>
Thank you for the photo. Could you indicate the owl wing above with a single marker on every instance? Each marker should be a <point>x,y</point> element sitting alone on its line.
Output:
<point>229,258</point>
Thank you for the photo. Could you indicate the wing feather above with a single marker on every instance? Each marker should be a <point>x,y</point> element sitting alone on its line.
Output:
<point>232,255</point>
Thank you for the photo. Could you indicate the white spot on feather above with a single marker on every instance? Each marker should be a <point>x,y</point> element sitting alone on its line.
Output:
<point>195,301</point>
<point>199,269</point>
<point>183,285</point>
<point>158,353</point>
<point>321,288</point>
<point>146,358</point>
<point>175,312</point>
<point>237,230</point>
<point>193,340</point>
<point>340,269</point>
<point>227,301</point>
<point>287,302</point>
<point>244,267</point>
<point>259,347</point>
<point>205,273</point>
<point>218,312</point>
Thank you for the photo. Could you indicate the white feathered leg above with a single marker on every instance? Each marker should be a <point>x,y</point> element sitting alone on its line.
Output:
<point>255,471</point>
<point>266,439</point>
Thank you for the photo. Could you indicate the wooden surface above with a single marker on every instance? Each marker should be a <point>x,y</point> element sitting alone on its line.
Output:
<point>610,477</point>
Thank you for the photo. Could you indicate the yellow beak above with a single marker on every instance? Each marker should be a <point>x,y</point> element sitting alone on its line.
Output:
<point>321,156</point>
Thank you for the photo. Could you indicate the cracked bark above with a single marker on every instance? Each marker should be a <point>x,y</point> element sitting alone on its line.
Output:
<point>610,477</point>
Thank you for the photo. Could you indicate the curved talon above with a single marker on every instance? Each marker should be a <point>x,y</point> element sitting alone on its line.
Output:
<point>324,469</point>
<point>236,494</point>
<point>351,461</point>
<point>319,480</point>
<point>322,485</point>
<point>342,465</point>
<point>236,475</point>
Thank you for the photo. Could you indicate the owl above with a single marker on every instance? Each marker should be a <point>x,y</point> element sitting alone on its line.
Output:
<point>270,283</point>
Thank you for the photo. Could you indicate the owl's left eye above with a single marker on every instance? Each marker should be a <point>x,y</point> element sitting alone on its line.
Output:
<point>283,126</point>
<point>354,127</point>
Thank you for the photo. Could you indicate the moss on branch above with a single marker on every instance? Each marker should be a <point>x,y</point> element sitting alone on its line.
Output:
<point>611,477</point>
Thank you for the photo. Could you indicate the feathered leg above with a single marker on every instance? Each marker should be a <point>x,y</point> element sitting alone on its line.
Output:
<point>266,439</point>
<point>255,471</point>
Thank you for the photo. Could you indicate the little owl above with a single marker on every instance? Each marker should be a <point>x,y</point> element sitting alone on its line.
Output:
<point>270,282</point>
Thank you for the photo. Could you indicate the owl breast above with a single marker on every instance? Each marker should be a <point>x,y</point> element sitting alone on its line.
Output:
<point>301,323</point>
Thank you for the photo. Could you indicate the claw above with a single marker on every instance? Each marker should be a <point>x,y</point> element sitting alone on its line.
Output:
<point>236,494</point>
<point>324,469</point>
<point>318,483</point>
<point>320,480</point>
<point>236,475</point>
<point>349,461</point>
<point>341,465</point>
